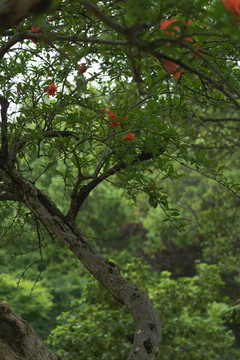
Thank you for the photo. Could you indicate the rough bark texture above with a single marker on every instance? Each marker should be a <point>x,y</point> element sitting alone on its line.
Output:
<point>148,325</point>
<point>12,11</point>
<point>18,340</point>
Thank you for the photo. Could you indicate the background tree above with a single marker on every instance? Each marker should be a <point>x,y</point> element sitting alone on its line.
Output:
<point>74,114</point>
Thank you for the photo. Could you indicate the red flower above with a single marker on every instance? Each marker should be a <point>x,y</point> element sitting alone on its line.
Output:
<point>111,114</point>
<point>233,5</point>
<point>126,117</point>
<point>188,23</point>
<point>195,45</point>
<point>82,68</point>
<point>35,29</point>
<point>102,110</point>
<point>130,137</point>
<point>166,23</point>
<point>51,89</point>
<point>172,68</point>
<point>50,19</point>
<point>188,39</point>
<point>151,186</point>
<point>198,52</point>
<point>115,124</point>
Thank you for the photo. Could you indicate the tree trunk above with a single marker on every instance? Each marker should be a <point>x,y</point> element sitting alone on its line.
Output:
<point>148,325</point>
<point>18,340</point>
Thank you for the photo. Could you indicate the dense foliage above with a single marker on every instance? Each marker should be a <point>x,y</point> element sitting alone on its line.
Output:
<point>194,318</point>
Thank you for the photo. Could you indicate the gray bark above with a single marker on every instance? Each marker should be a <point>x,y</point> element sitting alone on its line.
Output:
<point>18,340</point>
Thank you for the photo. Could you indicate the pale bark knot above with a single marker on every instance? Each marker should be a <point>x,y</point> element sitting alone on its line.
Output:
<point>137,350</point>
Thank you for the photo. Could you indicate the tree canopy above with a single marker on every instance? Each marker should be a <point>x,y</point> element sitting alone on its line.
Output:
<point>136,96</point>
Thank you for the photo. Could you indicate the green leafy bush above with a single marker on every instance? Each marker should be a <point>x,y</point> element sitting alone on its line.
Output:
<point>193,313</point>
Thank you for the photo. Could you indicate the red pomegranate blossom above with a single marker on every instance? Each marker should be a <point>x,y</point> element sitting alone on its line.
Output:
<point>129,137</point>
<point>82,68</point>
<point>195,45</point>
<point>115,124</point>
<point>151,186</point>
<point>51,90</point>
<point>111,114</point>
<point>172,68</point>
<point>35,29</point>
<point>166,23</point>
<point>233,5</point>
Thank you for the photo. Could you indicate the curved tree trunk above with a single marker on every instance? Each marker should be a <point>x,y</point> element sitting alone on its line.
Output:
<point>18,340</point>
<point>148,325</point>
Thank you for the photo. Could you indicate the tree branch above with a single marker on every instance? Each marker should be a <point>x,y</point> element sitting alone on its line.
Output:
<point>4,137</point>
<point>78,199</point>
<point>220,119</point>
<point>12,41</point>
<point>50,37</point>
<point>100,161</point>
<point>90,40</point>
<point>46,134</point>
<point>18,341</point>
<point>10,197</point>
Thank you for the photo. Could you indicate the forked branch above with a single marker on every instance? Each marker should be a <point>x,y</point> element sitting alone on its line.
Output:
<point>79,198</point>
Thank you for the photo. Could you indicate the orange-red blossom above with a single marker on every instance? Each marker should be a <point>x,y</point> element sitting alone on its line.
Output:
<point>130,137</point>
<point>193,44</point>
<point>111,114</point>
<point>51,90</point>
<point>173,68</point>
<point>170,66</point>
<point>233,5</point>
<point>82,68</point>
<point>115,124</point>
<point>35,29</point>
<point>166,23</point>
